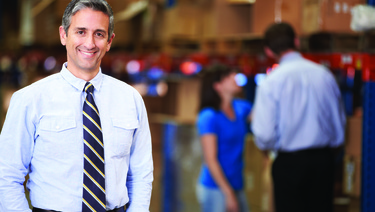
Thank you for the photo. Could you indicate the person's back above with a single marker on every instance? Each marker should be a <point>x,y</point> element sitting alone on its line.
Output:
<point>307,99</point>
<point>298,113</point>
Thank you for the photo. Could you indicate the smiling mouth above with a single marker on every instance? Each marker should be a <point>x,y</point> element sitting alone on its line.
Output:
<point>87,53</point>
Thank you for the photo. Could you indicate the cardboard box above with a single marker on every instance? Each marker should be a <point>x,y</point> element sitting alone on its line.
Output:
<point>181,21</point>
<point>181,104</point>
<point>352,175</point>
<point>353,157</point>
<point>267,12</point>
<point>327,15</point>
<point>353,142</point>
<point>306,16</point>
<point>257,177</point>
<point>221,18</point>
<point>187,104</point>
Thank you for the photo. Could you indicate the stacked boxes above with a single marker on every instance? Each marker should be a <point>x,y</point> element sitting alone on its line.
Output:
<point>352,158</point>
<point>266,12</point>
<point>327,15</point>
<point>306,16</point>
<point>257,176</point>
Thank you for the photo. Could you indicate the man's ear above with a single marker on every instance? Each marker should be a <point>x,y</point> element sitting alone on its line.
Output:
<point>110,42</point>
<point>297,43</point>
<point>62,35</point>
<point>269,52</point>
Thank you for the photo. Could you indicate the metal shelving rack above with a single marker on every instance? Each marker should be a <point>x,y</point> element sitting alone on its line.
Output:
<point>368,148</point>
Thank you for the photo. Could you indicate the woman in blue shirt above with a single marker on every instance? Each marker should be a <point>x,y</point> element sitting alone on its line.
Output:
<point>222,127</point>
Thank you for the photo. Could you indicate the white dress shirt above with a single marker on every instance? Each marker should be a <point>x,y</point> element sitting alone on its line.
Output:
<point>43,136</point>
<point>298,106</point>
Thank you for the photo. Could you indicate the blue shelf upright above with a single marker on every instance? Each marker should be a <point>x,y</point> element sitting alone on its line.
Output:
<point>368,148</point>
<point>170,192</point>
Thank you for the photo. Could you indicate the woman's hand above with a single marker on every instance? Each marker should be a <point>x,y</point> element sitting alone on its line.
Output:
<point>231,203</point>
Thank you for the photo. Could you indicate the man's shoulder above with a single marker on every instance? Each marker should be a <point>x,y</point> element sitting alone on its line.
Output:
<point>41,84</point>
<point>297,67</point>
<point>32,92</point>
<point>318,70</point>
<point>119,84</point>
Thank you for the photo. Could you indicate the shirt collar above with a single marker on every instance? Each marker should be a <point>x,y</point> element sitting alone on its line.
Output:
<point>290,56</point>
<point>78,83</point>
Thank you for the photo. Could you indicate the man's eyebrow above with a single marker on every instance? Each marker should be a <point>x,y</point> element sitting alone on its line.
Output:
<point>101,30</point>
<point>80,28</point>
<point>97,30</point>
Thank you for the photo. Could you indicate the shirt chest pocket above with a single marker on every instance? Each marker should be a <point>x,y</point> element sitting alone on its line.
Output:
<point>57,135</point>
<point>56,123</point>
<point>124,130</point>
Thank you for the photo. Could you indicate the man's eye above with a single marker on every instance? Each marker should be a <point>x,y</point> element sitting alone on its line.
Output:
<point>80,32</point>
<point>100,34</point>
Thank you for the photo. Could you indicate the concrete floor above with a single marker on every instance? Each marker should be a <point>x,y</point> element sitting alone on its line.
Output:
<point>347,204</point>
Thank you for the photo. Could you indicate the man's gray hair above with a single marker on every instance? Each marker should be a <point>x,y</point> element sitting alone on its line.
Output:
<point>98,5</point>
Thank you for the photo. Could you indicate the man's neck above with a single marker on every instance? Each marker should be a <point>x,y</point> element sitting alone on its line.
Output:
<point>282,54</point>
<point>84,75</point>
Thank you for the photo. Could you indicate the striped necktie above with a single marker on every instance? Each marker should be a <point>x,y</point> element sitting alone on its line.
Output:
<point>93,177</point>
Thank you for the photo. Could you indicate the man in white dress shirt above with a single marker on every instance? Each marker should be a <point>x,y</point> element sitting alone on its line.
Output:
<point>43,131</point>
<point>298,113</point>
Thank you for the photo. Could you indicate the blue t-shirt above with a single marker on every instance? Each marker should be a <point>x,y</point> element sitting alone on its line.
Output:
<point>230,141</point>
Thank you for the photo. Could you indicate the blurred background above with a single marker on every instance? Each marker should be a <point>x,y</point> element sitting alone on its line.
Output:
<point>160,48</point>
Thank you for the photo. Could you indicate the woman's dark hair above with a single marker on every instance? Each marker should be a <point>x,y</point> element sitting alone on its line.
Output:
<point>208,95</point>
<point>280,37</point>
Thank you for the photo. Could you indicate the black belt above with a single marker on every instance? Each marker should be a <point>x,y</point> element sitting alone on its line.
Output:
<point>121,209</point>
<point>322,150</point>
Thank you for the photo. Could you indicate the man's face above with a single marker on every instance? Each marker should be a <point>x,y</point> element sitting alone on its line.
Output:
<point>86,42</point>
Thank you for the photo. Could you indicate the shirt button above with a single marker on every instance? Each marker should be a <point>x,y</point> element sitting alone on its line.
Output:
<point>57,127</point>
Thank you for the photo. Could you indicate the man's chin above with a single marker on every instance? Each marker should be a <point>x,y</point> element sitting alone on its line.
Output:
<point>89,68</point>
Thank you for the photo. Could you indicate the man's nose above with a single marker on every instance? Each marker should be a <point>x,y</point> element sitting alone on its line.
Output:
<point>90,42</point>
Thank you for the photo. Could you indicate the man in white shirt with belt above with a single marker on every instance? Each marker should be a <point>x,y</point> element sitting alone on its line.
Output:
<point>298,113</point>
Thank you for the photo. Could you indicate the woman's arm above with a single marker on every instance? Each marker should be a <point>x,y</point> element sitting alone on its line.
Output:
<point>209,146</point>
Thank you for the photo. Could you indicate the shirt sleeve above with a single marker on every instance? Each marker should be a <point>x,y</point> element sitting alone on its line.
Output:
<point>206,122</point>
<point>140,174</point>
<point>338,116</point>
<point>16,147</point>
<point>264,120</point>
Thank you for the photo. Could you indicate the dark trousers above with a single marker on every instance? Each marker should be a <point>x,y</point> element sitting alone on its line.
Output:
<point>303,181</point>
